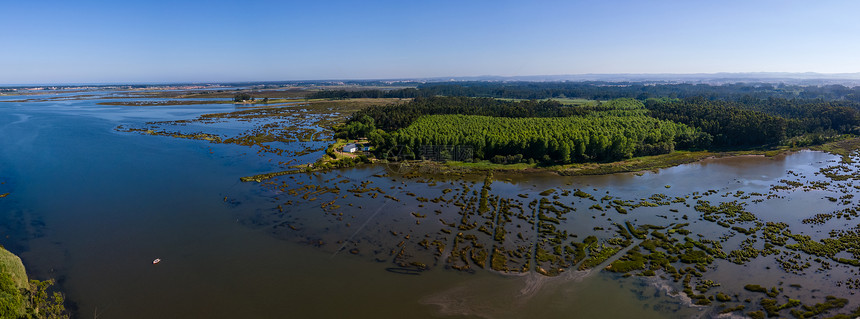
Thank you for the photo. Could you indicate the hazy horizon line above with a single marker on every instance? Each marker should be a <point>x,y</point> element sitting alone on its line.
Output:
<point>642,77</point>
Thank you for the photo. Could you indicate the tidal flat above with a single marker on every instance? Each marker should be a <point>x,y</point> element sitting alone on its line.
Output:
<point>735,236</point>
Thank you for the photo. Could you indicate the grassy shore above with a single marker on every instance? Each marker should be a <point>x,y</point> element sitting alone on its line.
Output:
<point>636,164</point>
<point>11,265</point>
<point>23,298</point>
<point>843,148</point>
<point>13,281</point>
<point>647,163</point>
<point>333,158</point>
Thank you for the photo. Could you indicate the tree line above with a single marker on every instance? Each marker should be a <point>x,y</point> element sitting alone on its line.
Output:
<point>547,139</point>
<point>544,131</point>
<point>808,116</point>
<point>753,122</point>
<point>729,125</point>
<point>599,90</point>
<point>548,131</point>
<point>393,117</point>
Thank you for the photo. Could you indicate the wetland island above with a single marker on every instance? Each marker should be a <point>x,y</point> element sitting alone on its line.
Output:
<point>464,199</point>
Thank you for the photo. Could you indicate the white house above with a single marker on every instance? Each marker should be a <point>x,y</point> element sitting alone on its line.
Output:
<point>350,148</point>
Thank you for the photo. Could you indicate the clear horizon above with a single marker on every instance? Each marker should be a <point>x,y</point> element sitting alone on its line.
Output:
<point>89,42</point>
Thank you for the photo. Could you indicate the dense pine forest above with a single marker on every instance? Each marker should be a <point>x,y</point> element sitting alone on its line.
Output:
<point>728,124</point>
<point>392,117</point>
<point>548,131</point>
<point>544,131</point>
<point>557,139</point>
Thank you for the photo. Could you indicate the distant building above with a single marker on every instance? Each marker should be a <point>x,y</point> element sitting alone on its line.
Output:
<point>350,148</point>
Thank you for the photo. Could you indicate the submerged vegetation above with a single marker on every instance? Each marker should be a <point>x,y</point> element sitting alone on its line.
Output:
<point>469,220</point>
<point>687,240</point>
<point>271,130</point>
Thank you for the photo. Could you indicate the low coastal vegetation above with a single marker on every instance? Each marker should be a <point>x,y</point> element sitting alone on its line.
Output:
<point>23,298</point>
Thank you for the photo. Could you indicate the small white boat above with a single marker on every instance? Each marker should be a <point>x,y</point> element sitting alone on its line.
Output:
<point>157,260</point>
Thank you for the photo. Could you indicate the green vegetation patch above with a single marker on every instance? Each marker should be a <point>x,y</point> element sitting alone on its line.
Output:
<point>563,140</point>
<point>11,265</point>
<point>20,298</point>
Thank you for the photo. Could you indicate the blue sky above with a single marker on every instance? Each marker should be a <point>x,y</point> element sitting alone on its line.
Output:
<point>165,41</point>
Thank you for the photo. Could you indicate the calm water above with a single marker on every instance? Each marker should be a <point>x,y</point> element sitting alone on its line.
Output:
<point>92,207</point>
